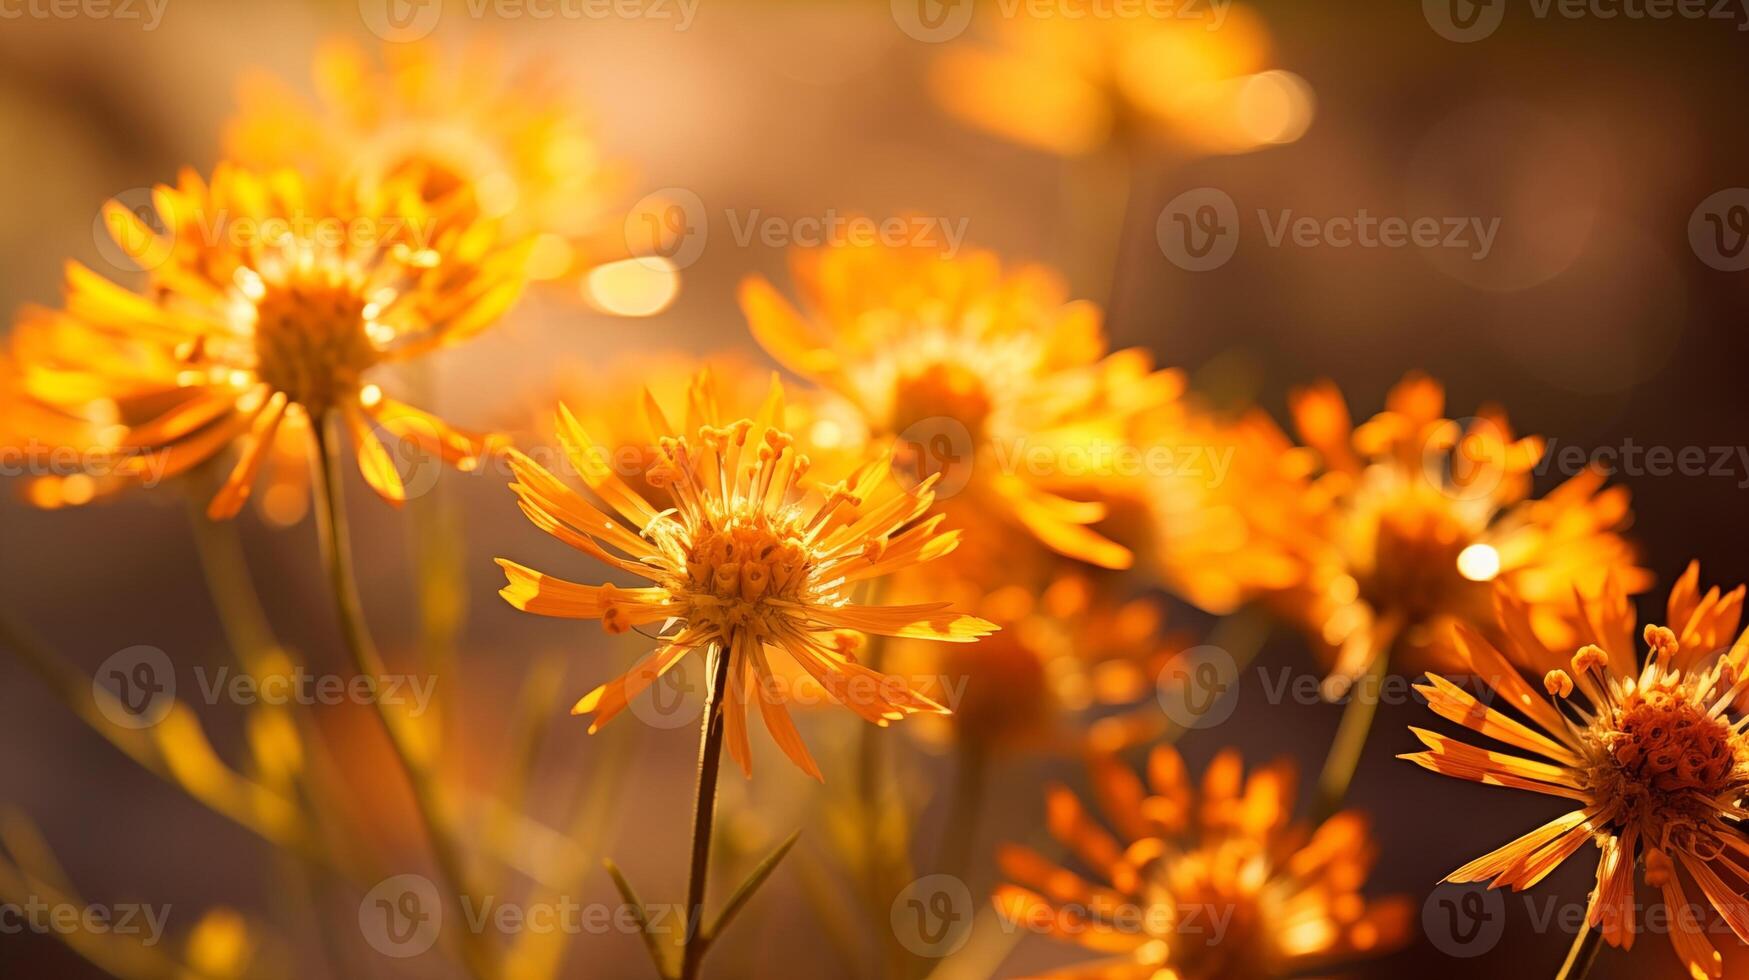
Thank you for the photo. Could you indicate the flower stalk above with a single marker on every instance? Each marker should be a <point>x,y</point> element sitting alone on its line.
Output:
<point>710,760</point>
<point>1582,955</point>
<point>368,662</point>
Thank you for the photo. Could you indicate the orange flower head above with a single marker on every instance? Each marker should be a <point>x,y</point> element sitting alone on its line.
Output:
<point>1222,886</point>
<point>1402,526</point>
<point>271,305</point>
<point>1073,82</point>
<point>739,560</point>
<point>597,395</point>
<point>469,133</point>
<point>1073,668</point>
<point>1652,758</point>
<point>985,376</point>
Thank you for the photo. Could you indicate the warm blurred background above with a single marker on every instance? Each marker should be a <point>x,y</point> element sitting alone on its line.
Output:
<point>1592,319</point>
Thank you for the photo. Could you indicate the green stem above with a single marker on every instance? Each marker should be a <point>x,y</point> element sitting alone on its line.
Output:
<point>367,662</point>
<point>1351,735</point>
<point>710,758</point>
<point>1582,955</point>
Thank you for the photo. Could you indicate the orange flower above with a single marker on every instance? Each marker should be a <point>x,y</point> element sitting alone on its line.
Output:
<point>1400,527</point>
<point>738,561</point>
<point>1072,84</point>
<point>52,451</point>
<point>988,377</point>
<point>1222,886</point>
<point>1652,757</point>
<point>1073,667</point>
<point>597,395</point>
<point>510,147</point>
<point>271,305</point>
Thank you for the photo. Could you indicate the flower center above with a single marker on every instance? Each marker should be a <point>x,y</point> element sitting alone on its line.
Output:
<point>1416,560</point>
<point>1670,745</point>
<point>1207,921</point>
<point>735,570</point>
<point>942,391</point>
<point>1666,761</point>
<point>311,343</point>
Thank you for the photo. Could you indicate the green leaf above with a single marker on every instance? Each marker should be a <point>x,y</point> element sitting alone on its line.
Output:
<point>745,892</point>
<point>630,897</point>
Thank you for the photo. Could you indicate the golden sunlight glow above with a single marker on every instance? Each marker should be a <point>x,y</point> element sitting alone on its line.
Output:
<point>641,286</point>
<point>1274,107</point>
<point>1479,563</point>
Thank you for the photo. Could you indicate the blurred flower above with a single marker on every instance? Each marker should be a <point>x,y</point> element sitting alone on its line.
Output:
<point>508,146</point>
<point>1072,84</point>
<point>1654,757</point>
<point>1159,891</point>
<point>1073,667</point>
<point>1400,527</point>
<point>989,378</point>
<point>271,304</point>
<point>61,457</point>
<point>742,560</point>
<point>597,395</point>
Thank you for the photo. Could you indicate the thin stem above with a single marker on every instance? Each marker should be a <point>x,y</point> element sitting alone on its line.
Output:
<point>230,584</point>
<point>704,811</point>
<point>367,662</point>
<point>1351,735</point>
<point>965,808</point>
<point>1582,955</point>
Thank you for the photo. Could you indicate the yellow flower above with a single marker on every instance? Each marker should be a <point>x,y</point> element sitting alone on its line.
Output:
<point>738,560</point>
<point>1072,84</point>
<point>510,146</point>
<point>986,376</point>
<point>1653,758</point>
<point>1222,886</point>
<point>271,305</point>
<point>1400,527</point>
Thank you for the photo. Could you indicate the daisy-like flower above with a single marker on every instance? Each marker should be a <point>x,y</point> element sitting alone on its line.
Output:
<point>1072,85</point>
<point>1400,527</point>
<point>740,562</point>
<point>270,306</point>
<point>1074,667</point>
<point>988,377</point>
<point>510,145</point>
<point>1220,885</point>
<point>1651,757</point>
<point>598,393</point>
